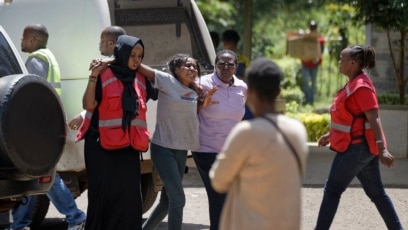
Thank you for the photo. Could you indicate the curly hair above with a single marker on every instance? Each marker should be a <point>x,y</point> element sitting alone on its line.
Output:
<point>178,60</point>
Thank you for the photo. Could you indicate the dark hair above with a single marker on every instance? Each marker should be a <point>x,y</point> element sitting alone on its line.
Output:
<point>364,56</point>
<point>264,77</point>
<point>178,60</point>
<point>221,52</point>
<point>230,35</point>
<point>215,39</point>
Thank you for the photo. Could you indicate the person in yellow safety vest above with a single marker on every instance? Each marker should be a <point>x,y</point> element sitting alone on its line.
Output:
<point>357,136</point>
<point>44,58</point>
<point>42,62</point>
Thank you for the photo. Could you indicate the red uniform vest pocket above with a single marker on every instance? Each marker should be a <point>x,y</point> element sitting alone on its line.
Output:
<point>140,140</point>
<point>114,138</point>
<point>339,141</point>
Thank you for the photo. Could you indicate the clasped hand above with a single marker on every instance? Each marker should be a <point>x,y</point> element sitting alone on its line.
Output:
<point>98,65</point>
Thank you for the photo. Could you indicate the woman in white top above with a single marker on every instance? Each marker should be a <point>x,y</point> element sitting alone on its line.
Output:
<point>175,133</point>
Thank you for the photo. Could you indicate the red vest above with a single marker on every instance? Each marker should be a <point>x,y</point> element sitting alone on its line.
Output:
<point>342,119</point>
<point>111,134</point>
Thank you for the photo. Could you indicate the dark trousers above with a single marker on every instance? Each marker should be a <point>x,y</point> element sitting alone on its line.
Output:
<point>358,162</point>
<point>114,195</point>
<point>216,200</point>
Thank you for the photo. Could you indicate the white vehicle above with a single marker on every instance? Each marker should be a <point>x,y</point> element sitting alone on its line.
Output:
<point>27,102</point>
<point>167,27</point>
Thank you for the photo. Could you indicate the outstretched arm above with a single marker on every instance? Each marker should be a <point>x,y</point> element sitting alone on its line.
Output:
<point>146,71</point>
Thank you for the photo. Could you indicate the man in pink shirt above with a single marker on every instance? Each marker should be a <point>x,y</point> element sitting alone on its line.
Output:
<point>216,122</point>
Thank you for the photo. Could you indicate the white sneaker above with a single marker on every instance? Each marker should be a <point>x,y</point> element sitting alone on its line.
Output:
<point>80,226</point>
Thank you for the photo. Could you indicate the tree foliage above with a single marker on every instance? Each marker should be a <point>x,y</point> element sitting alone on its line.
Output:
<point>217,14</point>
<point>389,15</point>
<point>272,19</point>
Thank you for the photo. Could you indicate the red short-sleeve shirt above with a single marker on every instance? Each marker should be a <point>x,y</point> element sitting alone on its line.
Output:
<point>363,99</point>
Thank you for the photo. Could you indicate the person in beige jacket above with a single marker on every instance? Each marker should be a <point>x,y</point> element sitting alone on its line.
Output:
<point>258,169</point>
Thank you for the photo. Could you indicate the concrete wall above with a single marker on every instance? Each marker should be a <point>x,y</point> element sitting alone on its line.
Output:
<point>321,158</point>
<point>383,76</point>
<point>395,124</point>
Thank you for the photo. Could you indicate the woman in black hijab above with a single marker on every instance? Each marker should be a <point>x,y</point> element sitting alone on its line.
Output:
<point>115,133</point>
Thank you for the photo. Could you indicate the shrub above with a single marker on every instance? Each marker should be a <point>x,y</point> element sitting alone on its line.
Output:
<point>316,124</point>
<point>390,99</point>
<point>292,95</point>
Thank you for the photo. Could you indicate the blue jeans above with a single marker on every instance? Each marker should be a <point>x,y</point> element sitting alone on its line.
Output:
<point>61,198</point>
<point>309,83</point>
<point>356,161</point>
<point>170,164</point>
<point>216,200</point>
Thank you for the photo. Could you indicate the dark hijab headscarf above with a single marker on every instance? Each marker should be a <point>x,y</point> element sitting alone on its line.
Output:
<point>120,69</point>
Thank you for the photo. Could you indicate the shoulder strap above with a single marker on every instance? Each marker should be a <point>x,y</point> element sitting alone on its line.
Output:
<point>288,143</point>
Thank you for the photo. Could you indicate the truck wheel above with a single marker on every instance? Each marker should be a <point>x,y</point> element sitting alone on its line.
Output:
<point>40,211</point>
<point>148,193</point>
<point>32,126</point>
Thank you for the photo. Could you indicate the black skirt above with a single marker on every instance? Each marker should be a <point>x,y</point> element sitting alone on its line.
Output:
<point>114,195</point>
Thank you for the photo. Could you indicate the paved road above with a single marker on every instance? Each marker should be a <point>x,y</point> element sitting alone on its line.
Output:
<point>355,212</point>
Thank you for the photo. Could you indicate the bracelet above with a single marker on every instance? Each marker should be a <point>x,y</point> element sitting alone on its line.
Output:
<point>92,77</point>
<point>379,141</point>
<point>93,81</point>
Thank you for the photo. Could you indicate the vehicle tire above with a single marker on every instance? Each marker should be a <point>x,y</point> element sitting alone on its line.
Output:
<point>32,126</point>
<point>148,193</point>
<point>40,211</point>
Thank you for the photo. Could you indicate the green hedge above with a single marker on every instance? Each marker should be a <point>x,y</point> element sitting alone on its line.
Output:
<point>390,99</point>
<point>316,124</point>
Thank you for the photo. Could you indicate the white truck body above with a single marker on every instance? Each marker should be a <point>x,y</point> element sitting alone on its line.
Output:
<point>167,27</point>
<point>75,26</point>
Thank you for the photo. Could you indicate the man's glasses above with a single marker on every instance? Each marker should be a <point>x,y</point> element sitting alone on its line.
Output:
<point>226,65</point>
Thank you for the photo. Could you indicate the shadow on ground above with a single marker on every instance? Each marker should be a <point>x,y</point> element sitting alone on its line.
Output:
<point>59,224</point>
<point>53,224</point>
<point>186,226</point>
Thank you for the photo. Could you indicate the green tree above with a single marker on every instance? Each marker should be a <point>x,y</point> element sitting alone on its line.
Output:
<point>390,16</point>
<point>217,14</point>
<point>272,19</point>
